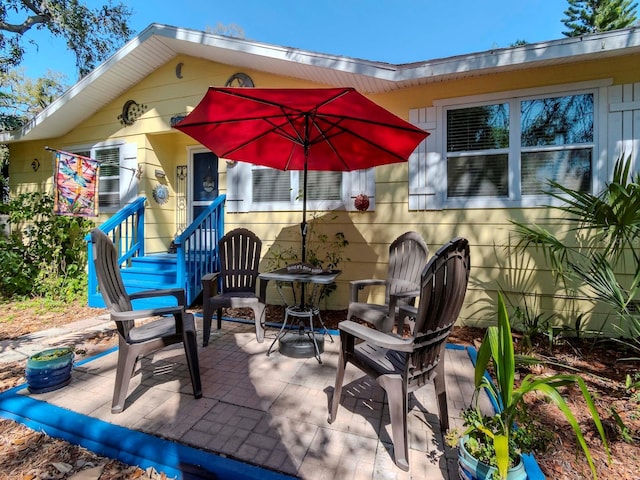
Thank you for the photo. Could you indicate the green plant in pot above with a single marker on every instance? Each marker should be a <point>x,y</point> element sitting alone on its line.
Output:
<point>49,370</point>
<point>497,438</point>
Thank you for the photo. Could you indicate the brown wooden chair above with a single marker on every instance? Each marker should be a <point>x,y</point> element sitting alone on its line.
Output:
<point>239,252</point>
<point>135,341</point>
<point>399,364</point>
<point>407,257</point>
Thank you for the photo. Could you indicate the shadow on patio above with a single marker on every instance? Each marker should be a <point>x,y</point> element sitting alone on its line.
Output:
<point>260,417</point>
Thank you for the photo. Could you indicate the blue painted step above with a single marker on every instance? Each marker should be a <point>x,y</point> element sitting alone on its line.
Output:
<point>146,273</point>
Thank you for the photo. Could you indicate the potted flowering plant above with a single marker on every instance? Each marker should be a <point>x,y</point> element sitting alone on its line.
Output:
<point>495,438</point>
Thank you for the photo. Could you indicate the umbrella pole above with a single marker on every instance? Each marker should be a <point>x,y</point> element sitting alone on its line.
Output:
<point>303,225</point>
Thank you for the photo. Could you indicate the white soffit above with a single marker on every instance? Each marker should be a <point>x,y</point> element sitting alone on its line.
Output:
<point>158,44</point>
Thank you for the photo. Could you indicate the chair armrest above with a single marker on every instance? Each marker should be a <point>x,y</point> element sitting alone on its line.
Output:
<point>356,285</point>
<point>370,335</point>
<point>405,311</point>
<point>209,277</point>
<point>146,312</point>
<point>210,284</point>
<point>178,293</point>
<point>394,297</point>
<point>397,309</point>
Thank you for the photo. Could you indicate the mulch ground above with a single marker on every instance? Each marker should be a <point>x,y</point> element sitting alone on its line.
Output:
<point>25,454</point>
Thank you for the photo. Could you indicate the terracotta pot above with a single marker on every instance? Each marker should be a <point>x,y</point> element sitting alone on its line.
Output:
<point>469,468</point>
<point>49,370</point>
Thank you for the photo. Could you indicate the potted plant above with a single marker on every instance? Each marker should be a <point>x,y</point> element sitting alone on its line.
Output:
<point>496,439</point>
<point>49,370</point>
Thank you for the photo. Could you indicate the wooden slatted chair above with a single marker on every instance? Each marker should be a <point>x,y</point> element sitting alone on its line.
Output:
<point>135,341</point>
<point>239,252</point>
<point>399,364</point>
<point>407,257</point>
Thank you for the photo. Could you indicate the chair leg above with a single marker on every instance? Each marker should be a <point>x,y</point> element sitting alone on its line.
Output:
<point>207,315</point>
<point>219,318</point>
<point>342,365</point>
<point>191,352</point>
<point>396,391</point>
<point>441,395</point>
<point>127,357</point>
<point>259,313</point>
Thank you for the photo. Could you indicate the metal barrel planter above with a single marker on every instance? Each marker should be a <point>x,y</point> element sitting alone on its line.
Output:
<point>49,370</point>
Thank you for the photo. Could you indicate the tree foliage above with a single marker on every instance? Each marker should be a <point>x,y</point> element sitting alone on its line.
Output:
<point>92,34</point>
<point>22,98</point>
<point>593,16</point>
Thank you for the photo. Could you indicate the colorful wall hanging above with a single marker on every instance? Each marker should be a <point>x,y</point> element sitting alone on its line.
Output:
<point>76,185</point>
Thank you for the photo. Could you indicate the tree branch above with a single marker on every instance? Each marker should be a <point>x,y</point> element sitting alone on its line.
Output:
<point>24,26</point>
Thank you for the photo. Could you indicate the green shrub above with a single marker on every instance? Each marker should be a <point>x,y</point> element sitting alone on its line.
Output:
<point>46,254</point>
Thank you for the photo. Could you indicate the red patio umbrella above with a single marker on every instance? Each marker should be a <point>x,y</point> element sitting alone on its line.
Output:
<point>336,129</point>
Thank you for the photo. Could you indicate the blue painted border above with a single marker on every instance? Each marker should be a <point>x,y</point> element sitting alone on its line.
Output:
<point>128,446</point>
<point>530,465</point>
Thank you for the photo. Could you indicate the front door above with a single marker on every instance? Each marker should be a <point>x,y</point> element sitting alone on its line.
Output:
<point>204,181</point>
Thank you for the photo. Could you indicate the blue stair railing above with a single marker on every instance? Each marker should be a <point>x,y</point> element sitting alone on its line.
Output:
<point>197,247</point>
<point>196,250</point>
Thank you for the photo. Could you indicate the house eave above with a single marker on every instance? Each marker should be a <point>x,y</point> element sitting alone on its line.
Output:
<point>158,44</point>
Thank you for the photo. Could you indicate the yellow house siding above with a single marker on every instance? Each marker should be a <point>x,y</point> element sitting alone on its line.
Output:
<point>23,179</point>
<point>369,234</point>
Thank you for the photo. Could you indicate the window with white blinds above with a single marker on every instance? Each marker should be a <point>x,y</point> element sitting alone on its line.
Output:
<point>117,183</point>
<point>269,185</point>
<point>477,151</point>
<point>254,188</point>
<point>511,149</point>
<point>109,180</point>
<point>323,185</point>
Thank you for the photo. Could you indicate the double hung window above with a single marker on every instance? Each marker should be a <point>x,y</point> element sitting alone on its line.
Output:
<point>254,188</point>
<point>117,183</point>
<point>270,186</point>
<point>510,149</point>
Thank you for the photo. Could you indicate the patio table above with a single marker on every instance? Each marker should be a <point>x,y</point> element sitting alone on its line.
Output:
<point>304,340</point>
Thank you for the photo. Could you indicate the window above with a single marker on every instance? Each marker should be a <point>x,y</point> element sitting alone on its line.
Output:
<point>109,180</point>
<point>117,183</point>
<point>510,149</point>
<point>271,185</point>
<point>557,142</point>
<point>256,188</point>
<point>478,151</point>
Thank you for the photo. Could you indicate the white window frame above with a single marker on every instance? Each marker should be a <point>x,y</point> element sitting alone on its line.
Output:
<point>240,197</point>
<point>128,180</point>
<point>434,189</point>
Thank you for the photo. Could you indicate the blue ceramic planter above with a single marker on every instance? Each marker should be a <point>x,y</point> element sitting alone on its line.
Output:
<point>470,468</point>
<point>49,370</point>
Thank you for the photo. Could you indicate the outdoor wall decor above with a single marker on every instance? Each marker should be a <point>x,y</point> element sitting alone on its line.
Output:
<point>361,202</point>
<point>160,194</point>
<point>131,110</point>
<point>76,184</point>
<point>239,80</point>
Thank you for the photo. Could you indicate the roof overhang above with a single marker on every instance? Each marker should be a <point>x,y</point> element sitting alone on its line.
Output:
<point>158,44</point>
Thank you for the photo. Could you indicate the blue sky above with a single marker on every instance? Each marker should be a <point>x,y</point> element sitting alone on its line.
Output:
<point>395,31</point>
